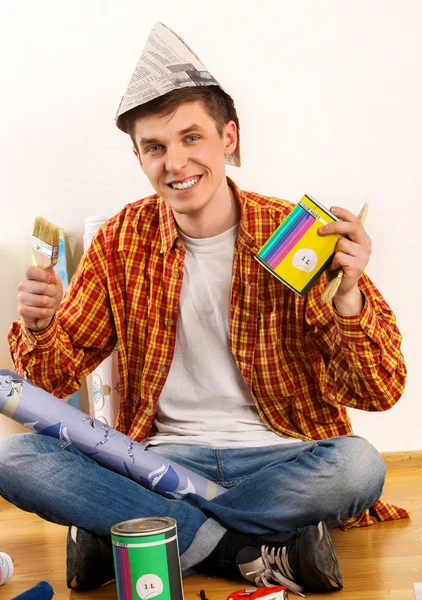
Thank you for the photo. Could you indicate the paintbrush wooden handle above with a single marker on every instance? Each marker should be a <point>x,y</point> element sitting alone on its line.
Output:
<point>42,260</point>
<point>363,213</point>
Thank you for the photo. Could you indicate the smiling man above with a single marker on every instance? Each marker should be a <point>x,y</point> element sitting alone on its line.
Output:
<point>223,369</point>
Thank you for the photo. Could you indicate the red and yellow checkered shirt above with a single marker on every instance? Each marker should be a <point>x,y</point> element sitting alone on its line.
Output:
<point>303,362</point>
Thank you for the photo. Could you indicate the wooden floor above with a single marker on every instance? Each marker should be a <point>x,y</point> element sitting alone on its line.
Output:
<point>381,562</point>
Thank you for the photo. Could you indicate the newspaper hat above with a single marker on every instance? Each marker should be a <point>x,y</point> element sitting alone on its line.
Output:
<point>167,63</point>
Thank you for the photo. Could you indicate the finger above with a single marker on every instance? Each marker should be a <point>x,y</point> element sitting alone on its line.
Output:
<point>347,246</point>
<point>30,286</point>
<point>354,231</point>
<point>57,280</point>
<point>343,261</point>
<point>349,263</point>
<point>344,214</point>
<point>362,247</point>
<point>35,312</point>
<point>36,300</point>
<point>34,273</point>
<point>36,318</point>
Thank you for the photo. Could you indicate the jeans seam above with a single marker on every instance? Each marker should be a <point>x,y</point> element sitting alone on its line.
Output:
<point>231,483</point>
<point>219,463</point>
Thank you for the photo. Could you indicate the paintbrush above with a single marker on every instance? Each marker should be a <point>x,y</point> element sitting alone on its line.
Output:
<point>45,246</point>
<point>45,243</point>
<point>332,287</point>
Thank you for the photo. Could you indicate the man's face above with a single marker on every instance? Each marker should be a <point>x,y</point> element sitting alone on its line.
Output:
<point>183,156</point>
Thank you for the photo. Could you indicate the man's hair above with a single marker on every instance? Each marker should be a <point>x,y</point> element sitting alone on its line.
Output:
<point>217,103</point>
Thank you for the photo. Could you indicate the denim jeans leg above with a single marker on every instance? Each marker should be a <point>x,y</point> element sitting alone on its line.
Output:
<point>273,489</point>
<point>67,487</point>
<point>287,487</point>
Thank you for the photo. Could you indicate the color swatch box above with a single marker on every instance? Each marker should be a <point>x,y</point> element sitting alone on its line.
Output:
<point>296,253</point>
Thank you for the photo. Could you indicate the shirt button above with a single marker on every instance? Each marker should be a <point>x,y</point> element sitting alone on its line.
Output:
<point>178,244</point>
<point>162,369</point>
<point>169,322</point>
<point>176,274</point>
<point>149,412</point>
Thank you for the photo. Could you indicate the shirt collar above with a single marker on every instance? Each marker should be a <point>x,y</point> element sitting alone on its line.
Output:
<point>169,233</point>
<point>168,229</point>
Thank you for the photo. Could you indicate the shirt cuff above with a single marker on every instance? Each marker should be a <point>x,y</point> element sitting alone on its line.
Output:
<point>357,328</point>
<point>42,339</point>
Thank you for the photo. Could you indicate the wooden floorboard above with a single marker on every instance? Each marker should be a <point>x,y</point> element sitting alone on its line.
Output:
<point>403,460</point>
<point>381,562</point>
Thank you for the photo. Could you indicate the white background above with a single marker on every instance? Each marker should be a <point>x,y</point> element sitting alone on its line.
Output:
<point>329,97</point>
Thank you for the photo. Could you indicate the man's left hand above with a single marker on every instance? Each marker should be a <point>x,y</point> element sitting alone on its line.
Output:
<point>352,255</point>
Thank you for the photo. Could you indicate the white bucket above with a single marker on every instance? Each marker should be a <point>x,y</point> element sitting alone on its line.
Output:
<point>92,225</point>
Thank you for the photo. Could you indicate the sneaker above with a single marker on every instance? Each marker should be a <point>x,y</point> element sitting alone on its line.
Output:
<point>302,561</point>
<point>89,561</point>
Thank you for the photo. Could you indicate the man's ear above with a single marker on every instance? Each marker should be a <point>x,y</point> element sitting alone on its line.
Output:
<point>138,157</point>
<point>230,137</point>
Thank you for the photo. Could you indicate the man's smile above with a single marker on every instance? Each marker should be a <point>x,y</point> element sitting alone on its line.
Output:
<point>185,183</point>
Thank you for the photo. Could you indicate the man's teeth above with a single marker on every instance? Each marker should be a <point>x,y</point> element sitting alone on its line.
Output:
<point>186,184</point>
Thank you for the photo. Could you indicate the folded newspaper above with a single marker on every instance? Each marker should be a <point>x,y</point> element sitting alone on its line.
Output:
<point>167,63</point>
<point>38,410</point>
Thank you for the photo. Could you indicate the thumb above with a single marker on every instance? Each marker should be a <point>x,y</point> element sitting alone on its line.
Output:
<point>55,278</point>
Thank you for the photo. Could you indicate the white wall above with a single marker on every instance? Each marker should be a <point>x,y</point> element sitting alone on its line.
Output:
<point>329,95</point>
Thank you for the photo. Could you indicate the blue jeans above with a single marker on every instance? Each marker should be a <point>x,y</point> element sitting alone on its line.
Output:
<point>269,490</point>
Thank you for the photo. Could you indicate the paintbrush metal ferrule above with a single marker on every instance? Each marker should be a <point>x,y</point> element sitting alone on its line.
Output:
<point>51,252</point>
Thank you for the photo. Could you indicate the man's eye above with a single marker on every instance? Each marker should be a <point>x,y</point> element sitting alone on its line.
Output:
<point>155,148</point>
<point>192,138</point>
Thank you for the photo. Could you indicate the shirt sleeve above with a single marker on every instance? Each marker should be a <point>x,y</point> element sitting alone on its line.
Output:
<point>357,359</point>
<point>80,336</point>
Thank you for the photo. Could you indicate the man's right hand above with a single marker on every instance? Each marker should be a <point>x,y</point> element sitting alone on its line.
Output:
<point>39,295</point>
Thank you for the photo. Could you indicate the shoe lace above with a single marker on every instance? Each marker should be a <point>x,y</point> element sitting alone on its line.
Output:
<point>276,567</point>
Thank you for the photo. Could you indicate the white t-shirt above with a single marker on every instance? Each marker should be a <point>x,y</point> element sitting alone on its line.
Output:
<point>205,400</point>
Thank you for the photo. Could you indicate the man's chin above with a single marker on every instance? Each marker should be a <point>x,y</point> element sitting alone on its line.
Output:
<point>183,205</point>
<point>183,210</point>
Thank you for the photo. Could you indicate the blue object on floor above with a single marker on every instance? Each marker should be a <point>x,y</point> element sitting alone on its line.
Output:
<point>42,591</point>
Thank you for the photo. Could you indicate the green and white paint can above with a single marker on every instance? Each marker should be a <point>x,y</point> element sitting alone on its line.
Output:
<point>146,559</point>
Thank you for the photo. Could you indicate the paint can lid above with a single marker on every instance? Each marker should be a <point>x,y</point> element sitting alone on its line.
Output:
<point>143,527</point>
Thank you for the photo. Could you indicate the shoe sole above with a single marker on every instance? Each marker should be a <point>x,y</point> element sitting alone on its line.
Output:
<point>311,552</point>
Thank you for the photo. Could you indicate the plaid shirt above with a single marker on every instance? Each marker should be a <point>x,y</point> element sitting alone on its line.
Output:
<point>304,362</point>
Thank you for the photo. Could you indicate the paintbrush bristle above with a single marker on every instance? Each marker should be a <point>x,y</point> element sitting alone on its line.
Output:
<point>46,232</point>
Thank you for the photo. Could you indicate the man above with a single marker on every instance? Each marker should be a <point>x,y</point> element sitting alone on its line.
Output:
<point>223,369</point>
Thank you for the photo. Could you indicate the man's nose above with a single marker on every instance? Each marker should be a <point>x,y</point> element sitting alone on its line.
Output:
<point>176,158</point>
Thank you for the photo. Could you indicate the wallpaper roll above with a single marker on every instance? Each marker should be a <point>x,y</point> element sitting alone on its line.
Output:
<point>40,411</point>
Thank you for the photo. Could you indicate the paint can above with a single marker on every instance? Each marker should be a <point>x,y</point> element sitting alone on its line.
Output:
<point>146,559</point>
<point>6,567</point>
